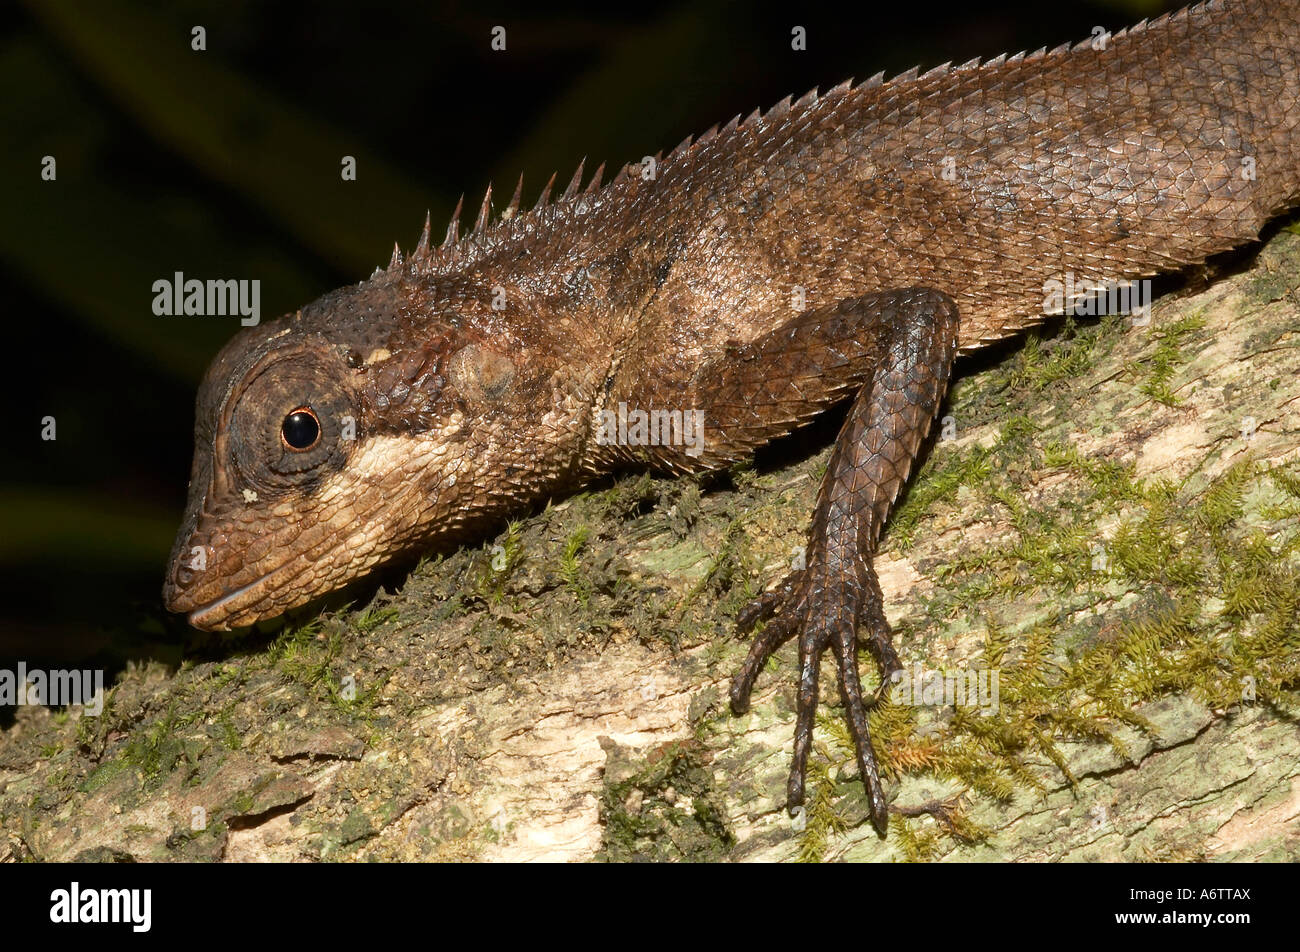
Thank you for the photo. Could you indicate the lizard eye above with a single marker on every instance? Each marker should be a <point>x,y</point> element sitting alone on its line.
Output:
<point>292,422</point>
<point>300,430</point>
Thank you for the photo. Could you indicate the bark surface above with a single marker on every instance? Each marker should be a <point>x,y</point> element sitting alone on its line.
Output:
<point>1110,520</point>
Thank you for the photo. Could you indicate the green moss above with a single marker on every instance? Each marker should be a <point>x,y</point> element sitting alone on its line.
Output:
<point>304,652</point>
<point>100,776</point>
<point>728,563</point>
<point>1168,355</point>
<point>1058,354</point>
<point>1217,602</point>
<point>158,749</point>
<point>968,467</point>
<point>499,562</point>
<point>241,804</point>
<point>372,618</point>
<point>229,732</point>
<point>823,820</point>
<point>1287,478</point>
<point>916,844</point>
<point>226,674</point>
<point>662,807</point>
<point>358,704</point>
<point>576,582</point>
<point>1202,600</point>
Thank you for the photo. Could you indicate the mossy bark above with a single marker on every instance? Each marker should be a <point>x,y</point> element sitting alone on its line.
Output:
<point>1110,523</point>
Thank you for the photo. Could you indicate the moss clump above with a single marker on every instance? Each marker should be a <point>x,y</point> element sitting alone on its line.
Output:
<point>1059,355</point>
<point>159,749</point>
<point>570,571</point>
<point>822,818</point>
<point>1213,610</point>
<point>664,807</point>
<point>1167,356</point>
<point>499,563</point>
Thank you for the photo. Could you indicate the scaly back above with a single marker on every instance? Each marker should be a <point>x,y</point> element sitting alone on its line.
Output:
<point>1166,143</point>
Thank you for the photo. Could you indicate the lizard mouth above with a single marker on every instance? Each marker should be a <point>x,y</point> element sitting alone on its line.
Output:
<point>250,602</point>
<point>210,616</point>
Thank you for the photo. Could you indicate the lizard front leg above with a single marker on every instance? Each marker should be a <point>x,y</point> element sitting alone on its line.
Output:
<point>910,338</point>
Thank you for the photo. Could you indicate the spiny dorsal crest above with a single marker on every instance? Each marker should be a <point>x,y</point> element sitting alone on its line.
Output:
<point>487,232</point>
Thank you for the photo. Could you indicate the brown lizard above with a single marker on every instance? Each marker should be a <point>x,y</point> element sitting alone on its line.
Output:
<point>845,245</point>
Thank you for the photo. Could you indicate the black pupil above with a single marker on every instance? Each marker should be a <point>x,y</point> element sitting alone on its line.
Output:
<point>300,429</point>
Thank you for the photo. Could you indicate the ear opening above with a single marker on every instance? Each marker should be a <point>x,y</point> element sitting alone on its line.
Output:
<point>480,374</point>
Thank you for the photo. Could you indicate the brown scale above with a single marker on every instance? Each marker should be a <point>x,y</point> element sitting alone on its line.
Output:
<point>848,244</point>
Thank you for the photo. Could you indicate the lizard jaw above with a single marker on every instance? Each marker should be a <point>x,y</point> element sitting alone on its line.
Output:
<point>266,596</point>
<point>214,616</point>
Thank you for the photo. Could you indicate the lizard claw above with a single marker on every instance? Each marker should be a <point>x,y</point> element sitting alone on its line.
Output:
<point>773,636</point>
<point>824,607</point>
<point>765,606</point>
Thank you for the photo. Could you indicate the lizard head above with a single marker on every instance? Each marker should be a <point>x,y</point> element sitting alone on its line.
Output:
<point>354,431</point>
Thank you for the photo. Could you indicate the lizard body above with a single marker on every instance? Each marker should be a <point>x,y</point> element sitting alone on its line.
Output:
<point>845,245</point>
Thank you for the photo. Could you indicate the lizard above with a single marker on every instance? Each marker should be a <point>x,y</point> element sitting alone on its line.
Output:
<point>842,248</point>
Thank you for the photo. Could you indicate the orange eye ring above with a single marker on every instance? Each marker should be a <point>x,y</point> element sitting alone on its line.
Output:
<point>300,430</point>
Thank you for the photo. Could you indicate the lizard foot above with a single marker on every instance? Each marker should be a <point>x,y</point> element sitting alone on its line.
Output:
<point>824,606</point>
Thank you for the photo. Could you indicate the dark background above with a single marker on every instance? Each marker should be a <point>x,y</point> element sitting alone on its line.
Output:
<point>225,164</point>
